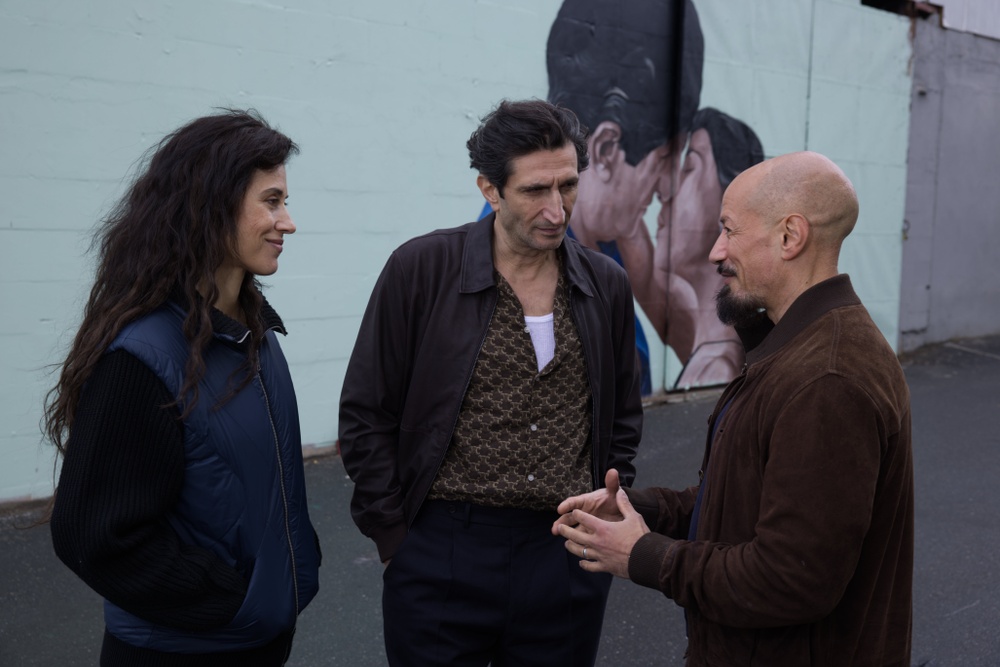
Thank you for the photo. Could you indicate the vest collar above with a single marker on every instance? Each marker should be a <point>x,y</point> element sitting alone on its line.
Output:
<point>228,329</point>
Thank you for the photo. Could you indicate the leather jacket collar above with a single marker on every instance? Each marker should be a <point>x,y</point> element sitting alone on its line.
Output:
<point>477,260</point>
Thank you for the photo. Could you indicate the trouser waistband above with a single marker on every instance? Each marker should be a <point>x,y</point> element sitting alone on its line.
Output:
<point>483,514</point>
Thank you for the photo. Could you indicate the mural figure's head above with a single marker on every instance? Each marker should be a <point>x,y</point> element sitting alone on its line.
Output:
<point>735,146</point>
<point>720,147</point>
<point>632,73</point>
<point>637,64</point>
<point>529,155</point>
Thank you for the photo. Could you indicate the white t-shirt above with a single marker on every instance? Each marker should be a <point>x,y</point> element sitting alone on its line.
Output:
<point>543,337</point>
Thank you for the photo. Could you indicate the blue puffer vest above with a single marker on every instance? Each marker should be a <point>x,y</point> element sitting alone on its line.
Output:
<point>244,489</point>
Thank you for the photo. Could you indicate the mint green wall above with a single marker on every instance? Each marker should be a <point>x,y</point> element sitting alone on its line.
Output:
<point>381,96</point>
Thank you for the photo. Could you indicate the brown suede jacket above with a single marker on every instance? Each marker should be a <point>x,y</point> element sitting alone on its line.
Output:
<point>804,548</point>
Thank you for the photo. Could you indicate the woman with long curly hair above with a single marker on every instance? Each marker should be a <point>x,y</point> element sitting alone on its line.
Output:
<point>181,498</point>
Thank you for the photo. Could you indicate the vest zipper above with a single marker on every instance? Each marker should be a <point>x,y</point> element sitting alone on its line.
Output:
<point>284,493</point>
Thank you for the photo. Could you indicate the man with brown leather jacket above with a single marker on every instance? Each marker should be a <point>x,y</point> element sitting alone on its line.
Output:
<point>494,374</point>
<point>797,547</point>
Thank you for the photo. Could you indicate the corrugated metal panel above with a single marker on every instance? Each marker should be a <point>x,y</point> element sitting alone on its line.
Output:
<point>980,17</point>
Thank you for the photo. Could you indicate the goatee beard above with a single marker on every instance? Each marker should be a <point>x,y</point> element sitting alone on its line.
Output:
<point>736,311</point>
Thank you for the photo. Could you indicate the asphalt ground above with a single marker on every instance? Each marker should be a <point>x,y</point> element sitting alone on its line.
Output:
<point>49,618</point>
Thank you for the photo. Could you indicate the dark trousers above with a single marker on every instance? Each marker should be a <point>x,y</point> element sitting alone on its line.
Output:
<point>474,585</point>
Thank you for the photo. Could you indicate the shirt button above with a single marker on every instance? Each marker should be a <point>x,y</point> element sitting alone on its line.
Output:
<point>531,478</point>
<point>527,329</point>
<point>534,427</point>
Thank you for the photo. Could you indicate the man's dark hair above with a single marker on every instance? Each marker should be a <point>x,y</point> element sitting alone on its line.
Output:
<point>735,145</point>
<point>514,129</point>
<point>634,62</point>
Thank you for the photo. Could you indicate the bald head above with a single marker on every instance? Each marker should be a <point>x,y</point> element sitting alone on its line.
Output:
<point>808,184</point>
<point>783,222</point>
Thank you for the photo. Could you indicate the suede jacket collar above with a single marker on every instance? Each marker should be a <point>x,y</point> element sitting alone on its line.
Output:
<point>763,339</point>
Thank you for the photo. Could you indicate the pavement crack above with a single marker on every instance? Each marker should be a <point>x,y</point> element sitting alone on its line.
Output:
<point>970,350</point>
<point>961,609</point>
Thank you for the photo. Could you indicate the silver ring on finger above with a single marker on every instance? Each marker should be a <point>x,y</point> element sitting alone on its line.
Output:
<point>585,553</point>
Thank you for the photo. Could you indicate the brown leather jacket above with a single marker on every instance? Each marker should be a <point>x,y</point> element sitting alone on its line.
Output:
<point>415,353</point>
<point>804,547</point>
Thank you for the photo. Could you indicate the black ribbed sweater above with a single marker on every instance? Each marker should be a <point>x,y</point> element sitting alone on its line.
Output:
<point>122,474</point>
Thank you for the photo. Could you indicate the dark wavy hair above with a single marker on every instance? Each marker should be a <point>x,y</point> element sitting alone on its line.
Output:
<point>166,237</point>
<point>514,129</point>
<point>637,63</point>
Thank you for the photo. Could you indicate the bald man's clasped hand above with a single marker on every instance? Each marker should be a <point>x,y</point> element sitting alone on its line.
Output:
<point>601,527</point>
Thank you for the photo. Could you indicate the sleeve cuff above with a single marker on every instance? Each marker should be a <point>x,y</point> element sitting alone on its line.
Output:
<point>647,560</point>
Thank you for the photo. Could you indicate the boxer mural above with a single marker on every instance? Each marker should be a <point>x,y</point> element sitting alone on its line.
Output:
<point>632,72</point>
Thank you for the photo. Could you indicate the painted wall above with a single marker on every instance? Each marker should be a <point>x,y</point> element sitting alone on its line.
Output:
<point>788,72</point>
<point>829,76</point>
<point>833,77</point>
<point>950,280</point>
<point>381,96</point>
<point>980,17</point>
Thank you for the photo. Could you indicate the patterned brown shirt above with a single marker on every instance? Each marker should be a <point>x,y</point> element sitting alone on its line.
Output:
<point>523,435</point>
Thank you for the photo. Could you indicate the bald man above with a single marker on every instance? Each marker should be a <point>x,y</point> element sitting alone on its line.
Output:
<point>797,546</point>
